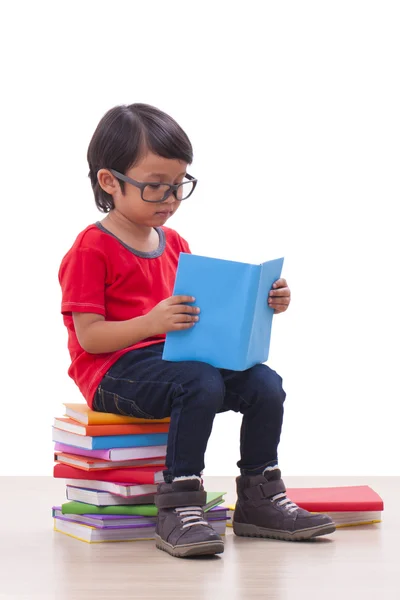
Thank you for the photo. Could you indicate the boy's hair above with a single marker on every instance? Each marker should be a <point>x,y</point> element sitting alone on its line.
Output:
<point>123,136</point>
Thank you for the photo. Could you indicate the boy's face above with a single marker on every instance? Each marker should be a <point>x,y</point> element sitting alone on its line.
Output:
<point>154,169</point>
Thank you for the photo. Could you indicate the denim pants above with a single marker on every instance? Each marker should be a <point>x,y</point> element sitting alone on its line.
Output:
<point>141,384</point>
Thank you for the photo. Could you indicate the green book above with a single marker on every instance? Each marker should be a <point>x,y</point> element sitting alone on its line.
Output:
<point>144,510</point>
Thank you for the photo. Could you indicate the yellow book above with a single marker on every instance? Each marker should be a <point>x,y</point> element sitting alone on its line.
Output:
<point>93,535</point>
<point>85,415</point>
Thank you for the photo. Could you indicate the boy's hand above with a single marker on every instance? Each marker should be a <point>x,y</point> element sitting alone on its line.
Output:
<point>279,296</point>
<point>172,314</point>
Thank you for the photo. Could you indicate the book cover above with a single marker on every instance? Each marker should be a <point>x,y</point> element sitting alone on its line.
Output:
<point>89,464</point>
<point>68,424</point>
<point>104,498</point>
<point>145,510</point>
<point>85,415</point>
<point>86,533</point>
<point>361,498</point>
<point>139,475</point>
<point>337,499</point>
<point>234,329</point>
<point>105,442</point>
<point>115,454</point>
<point>125,490</point>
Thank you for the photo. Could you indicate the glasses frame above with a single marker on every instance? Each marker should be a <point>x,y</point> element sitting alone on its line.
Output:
<point>173,188</point>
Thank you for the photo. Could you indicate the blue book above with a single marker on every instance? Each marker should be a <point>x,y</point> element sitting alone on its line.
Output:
<point>234,329</point>
<point>105,442</point>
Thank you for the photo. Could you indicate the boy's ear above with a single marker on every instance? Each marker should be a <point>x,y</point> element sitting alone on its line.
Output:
<point>107,181</point>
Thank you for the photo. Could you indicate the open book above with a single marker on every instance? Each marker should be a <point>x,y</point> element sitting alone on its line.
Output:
<point>234,329</point>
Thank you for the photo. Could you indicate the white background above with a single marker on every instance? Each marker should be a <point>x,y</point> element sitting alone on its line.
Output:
<point>293,111</point>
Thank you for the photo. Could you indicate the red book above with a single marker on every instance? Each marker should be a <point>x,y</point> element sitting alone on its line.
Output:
<point>138,475</point>
<point>336,499</point>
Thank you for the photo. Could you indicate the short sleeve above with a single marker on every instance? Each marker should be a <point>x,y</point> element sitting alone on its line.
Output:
<point>82,277</point>
<point>184,245</point>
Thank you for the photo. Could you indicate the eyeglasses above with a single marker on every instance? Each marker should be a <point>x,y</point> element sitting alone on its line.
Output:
<point>159,192</point>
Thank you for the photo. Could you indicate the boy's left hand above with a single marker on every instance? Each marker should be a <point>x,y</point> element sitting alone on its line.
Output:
<point>279,296</point>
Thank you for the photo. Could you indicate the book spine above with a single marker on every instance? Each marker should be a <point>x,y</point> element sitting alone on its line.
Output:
<point>127,441</point>
<point>248,320</point>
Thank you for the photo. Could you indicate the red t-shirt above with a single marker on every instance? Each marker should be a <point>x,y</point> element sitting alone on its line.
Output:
<point>101,275</point>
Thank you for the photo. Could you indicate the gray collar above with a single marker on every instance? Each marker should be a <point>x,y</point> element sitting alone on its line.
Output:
<point>155,254</point>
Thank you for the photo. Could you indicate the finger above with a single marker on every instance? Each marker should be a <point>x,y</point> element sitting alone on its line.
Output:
<point>278,302</point>
<point>184,309</point>
<point>279,299</point>
<point>284,291</point>
<point>182,326</point>
<point>180,318</point>
<point>182,299</point>
<point>278,306</point>
<point>279,283</point>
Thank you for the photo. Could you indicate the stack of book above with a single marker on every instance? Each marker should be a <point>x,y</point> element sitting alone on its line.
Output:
<point>112,465</point>
<point>347,505</point>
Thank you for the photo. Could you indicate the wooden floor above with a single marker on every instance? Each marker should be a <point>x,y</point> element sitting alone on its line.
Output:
<point>359,563</point>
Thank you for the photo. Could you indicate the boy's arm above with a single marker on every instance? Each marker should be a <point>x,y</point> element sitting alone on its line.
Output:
<point>97,336</point>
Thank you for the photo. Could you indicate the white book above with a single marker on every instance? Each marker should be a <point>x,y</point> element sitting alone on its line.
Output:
<point>120,489</point>
<point>115,454</point>
<point>138,452</point>
<point>99,498</point>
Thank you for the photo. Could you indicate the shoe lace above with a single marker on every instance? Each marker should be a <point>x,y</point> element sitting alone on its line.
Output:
<point>283,500</point>
<point>191,515</point>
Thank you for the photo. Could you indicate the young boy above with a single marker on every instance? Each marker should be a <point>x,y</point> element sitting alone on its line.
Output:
<point>117,281</point>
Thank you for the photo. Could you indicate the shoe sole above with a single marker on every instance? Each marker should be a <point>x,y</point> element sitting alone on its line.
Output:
<point>246,530</point>
<point>185,550</point>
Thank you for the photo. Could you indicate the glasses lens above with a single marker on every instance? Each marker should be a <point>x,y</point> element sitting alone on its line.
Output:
<point>155,192</point>
<point>185,189</point>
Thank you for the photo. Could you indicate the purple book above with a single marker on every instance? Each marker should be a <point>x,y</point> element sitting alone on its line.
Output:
<point>149,526</point>
<point>132,521</point>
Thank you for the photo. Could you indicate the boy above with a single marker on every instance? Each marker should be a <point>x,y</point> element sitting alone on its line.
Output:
<point>117,281</point>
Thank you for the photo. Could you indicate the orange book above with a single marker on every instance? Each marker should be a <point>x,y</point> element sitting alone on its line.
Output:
<point>85,415</point>
<point>67,424</point>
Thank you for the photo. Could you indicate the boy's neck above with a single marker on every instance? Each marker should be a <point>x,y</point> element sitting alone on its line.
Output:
<point>139,237</point>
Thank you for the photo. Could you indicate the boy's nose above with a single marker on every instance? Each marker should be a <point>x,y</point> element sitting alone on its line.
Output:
<point>171,199</point>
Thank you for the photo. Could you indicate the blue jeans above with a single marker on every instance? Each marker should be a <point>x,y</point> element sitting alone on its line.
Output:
<point>141,384</point>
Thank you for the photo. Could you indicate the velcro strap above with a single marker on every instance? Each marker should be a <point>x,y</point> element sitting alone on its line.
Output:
<point>265,490</point>
<point>176,499</point>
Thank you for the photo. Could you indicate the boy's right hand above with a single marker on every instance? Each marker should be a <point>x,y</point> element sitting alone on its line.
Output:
<point>172,314</point>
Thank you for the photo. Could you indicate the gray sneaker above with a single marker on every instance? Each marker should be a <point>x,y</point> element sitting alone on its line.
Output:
<point>263,510</point>
<point>181,528</point>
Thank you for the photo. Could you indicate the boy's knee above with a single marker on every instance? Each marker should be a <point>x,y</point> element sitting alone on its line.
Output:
<point>207,384</point>
<point>268,383</point>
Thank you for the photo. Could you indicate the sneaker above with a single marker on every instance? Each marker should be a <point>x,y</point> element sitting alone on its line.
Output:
<point>263,510</point>
<point>181,527</point>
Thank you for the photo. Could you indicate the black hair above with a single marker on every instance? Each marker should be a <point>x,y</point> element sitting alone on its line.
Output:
<point>122,137</point>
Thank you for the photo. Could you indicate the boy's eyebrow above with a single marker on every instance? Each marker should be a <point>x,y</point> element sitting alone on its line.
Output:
<point>164,174</point>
